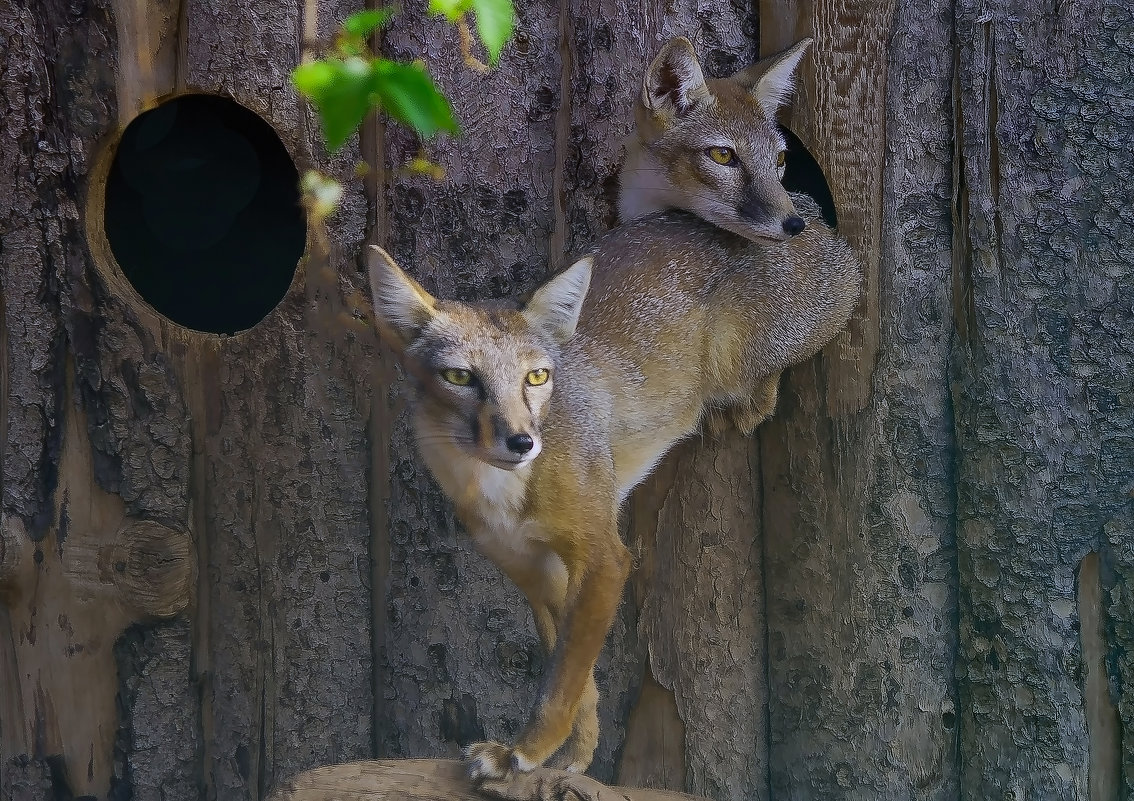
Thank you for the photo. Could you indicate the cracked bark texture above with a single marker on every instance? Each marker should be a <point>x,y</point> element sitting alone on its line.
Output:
<point>915,581</point>
<point>1042,388</point>
<point>857,464</point>
<point>253,443</point>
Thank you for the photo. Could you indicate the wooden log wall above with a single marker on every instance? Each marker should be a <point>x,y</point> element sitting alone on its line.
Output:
<point>222,562</point>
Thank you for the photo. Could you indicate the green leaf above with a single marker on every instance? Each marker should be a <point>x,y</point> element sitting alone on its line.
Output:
<point>312,77</point>
<point>364,23</point>
<point>452,10</point>
<point>341,91</point>
<point>409,95</point>
<point>494,22</point>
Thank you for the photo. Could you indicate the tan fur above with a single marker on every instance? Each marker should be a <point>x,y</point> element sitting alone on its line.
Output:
<point>680,114</point>
<point>681,318</point>
<point>683,322</point>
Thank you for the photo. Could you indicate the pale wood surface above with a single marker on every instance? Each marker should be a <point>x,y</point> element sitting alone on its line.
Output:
<point>444,780</point>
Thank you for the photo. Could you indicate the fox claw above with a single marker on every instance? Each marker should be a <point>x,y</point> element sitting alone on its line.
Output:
<point>544,786</point>
<point>491,760</point>
<point>487,761</point>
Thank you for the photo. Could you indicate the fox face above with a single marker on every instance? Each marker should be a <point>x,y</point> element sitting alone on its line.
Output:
<point>483,377</point>
<point>711,147</point>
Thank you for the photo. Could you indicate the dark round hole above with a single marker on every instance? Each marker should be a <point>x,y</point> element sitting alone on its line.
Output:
<point>803,174</point>
<point>203,213</point>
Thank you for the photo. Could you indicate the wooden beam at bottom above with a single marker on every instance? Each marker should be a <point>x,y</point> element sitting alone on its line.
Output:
<point>445,780</point>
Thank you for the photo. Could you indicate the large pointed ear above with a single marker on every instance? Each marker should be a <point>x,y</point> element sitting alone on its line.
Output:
<point>401,307</point>
<point>772,79</point>
<point>556,305</point>
<point>674,82</point>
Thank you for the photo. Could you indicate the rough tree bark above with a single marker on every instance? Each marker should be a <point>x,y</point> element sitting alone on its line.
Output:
<point>857,463</point>
<point>1042,389</point>
<point>222,562</point>
<point>254,445</point>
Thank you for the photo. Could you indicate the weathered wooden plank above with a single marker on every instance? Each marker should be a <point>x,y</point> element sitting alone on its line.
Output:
<point>76,459</point>
<point>703,616</point>
<point>436,779</point>
<point>1042,387</point>
<point>159,739</point>
<point>29,326</point>
<point>842,99</point>
<point>1119,607</point>
<point>33,158</point>
<point>282,646</point>
<point>857,464</point>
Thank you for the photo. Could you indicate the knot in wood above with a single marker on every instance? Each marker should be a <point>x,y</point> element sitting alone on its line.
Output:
<point>152,566</point>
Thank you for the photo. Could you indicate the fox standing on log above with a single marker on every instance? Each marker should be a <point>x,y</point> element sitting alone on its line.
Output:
<point>538,421</point>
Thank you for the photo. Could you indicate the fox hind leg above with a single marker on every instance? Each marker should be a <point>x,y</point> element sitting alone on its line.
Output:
<point>746,415</point>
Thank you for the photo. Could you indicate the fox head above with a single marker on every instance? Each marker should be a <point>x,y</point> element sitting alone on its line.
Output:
<point>711,147</point>
<point>483,376</point>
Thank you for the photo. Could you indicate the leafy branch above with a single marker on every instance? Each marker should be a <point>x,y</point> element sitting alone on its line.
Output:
<point>349,81</point>
<point>345,81</point>
<point>494,22</point>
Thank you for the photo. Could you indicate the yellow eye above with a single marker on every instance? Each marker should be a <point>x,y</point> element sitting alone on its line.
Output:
<point>722,155</point>
<point>781,158</point>
<point>538,377</point>
<point>462,378</point>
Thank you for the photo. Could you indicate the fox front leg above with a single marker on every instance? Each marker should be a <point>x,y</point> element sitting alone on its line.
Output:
<point>547,598</point>
<point>576,754</point>
<point>595,581</point>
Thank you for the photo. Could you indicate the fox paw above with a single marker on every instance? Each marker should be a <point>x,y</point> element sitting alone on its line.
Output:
<point>494,761</point>
<point>548,786</point>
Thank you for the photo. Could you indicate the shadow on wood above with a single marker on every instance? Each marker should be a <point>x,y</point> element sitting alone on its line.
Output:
<point>432,779</point>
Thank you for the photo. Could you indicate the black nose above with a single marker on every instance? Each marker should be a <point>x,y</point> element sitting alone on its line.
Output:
<point>519,443</point>
<point>793,225</point>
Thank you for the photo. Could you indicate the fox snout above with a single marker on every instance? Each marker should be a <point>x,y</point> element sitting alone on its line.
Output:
<point>758,210</point>
<point>520,443</point>
<point>503,440</point>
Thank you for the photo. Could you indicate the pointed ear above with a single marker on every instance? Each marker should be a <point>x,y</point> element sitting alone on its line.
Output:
<point>674,82</point>
<point>401,307</point>
<point>772,79</point>
<point>556,305</point>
